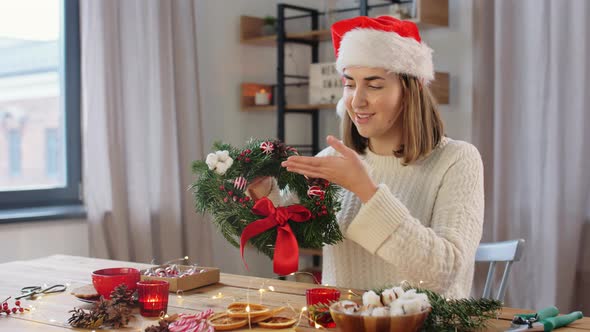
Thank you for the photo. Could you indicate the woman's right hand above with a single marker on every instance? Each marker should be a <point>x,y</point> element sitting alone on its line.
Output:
<point>260,187</point>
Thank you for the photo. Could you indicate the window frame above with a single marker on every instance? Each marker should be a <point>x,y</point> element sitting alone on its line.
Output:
<point>70,99</point>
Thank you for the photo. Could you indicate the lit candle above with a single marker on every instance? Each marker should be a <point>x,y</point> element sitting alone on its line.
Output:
<point>152,297</point>
<point>324,296</point>
<point>262,97</point>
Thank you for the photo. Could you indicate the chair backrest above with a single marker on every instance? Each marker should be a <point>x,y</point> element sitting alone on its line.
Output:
<point>506,251</point>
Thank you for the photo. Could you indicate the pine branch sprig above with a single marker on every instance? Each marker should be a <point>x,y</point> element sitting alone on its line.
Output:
<point>457,315</point>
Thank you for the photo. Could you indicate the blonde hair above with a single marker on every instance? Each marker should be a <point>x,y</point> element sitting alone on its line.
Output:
<point>422,125</point>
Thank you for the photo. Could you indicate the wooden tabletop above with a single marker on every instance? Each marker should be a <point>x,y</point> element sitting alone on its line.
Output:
<point>51,311</point>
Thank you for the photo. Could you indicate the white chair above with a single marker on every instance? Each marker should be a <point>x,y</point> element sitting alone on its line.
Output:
<point>508,252</point>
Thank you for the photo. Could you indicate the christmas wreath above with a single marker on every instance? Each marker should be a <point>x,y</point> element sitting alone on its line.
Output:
<point>274,230</point>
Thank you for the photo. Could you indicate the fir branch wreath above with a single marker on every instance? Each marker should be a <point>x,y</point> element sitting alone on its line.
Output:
<point>220,190</point>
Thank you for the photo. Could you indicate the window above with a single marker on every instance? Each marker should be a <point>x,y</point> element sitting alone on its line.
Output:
<point>39,103</point>
<point>52,153</point>
<point>14,152</point>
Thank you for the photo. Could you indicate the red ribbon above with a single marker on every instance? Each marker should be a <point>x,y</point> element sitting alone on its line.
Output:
<point>286,256</point>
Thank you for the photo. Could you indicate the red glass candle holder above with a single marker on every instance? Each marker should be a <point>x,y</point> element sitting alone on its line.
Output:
<point>152,297</point>
<point>325,296</point>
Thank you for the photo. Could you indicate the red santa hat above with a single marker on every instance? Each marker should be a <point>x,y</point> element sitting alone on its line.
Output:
<point>382,42</point>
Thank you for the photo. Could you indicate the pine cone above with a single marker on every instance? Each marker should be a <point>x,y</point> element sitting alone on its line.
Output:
<point>122,295</point>
<point>101,306</point>
<point>82,319</point>
<point>280,150</point>
<point>105,313</point>
<point>117,315</point>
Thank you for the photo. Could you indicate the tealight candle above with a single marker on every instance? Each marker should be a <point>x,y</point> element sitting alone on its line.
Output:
<point>152,297</point>
<point>262,98</point>
<point>325,296</point>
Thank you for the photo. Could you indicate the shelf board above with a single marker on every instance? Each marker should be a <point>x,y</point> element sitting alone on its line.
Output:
<point>320,35</point>
<point>430,13</point>
<point>291,107</point>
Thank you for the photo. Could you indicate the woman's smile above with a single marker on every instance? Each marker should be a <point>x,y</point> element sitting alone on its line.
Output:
<point>363,118</point>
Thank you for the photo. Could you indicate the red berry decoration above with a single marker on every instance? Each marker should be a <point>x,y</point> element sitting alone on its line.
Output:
<point>17,303</point>
<point>21,309</point>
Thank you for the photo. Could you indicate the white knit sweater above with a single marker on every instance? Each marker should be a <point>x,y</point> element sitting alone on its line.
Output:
<point>423,224</point>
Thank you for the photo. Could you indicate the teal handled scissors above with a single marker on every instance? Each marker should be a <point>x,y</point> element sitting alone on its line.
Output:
<point>32,291</point>
<point>544,320</point>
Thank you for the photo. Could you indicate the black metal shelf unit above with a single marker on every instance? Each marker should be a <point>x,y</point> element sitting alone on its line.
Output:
<point>281,85</point>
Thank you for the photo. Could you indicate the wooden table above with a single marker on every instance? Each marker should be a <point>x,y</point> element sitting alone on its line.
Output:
<point>51,311</point>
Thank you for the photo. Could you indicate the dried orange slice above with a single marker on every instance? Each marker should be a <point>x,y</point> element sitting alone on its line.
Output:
<point>277,322</point>
<point>240,310</point>
<point>260,318</point>
<point>223,322</point>
<point>266,316</point>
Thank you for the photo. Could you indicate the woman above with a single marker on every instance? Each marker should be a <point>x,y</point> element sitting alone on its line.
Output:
<point>412,204</point>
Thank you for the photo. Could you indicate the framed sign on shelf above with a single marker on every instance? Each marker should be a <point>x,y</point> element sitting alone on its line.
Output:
<point>325,83</point>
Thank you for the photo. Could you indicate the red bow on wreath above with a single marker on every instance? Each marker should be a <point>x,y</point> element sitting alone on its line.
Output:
<point>286,255</point>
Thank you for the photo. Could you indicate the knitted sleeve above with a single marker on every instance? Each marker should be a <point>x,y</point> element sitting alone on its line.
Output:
<point>435,254</point>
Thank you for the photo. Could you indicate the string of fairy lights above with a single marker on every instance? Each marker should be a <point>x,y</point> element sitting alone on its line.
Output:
<point>183,301</point>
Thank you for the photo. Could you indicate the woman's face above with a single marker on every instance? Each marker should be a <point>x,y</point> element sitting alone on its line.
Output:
<point>372,98</point>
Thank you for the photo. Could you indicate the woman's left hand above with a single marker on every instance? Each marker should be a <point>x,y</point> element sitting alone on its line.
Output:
<point>346,170</point>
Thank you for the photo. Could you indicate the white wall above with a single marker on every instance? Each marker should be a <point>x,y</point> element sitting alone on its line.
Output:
<point>223,64</point>
<point>34,239</point>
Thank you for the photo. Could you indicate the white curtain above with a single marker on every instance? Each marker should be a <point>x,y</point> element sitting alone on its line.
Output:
<point>142,129</point>
<point>531,120</point>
